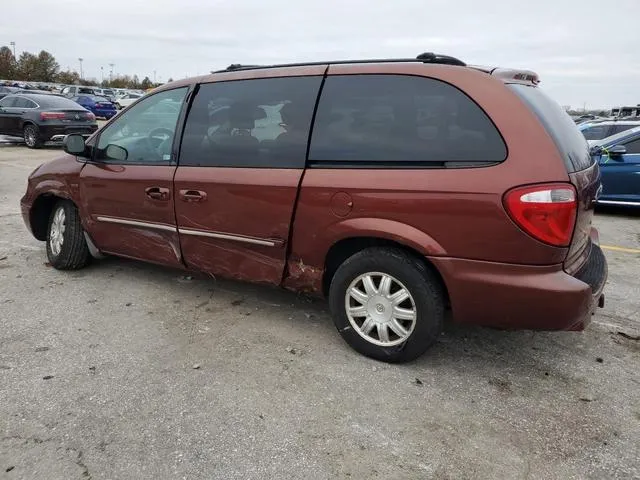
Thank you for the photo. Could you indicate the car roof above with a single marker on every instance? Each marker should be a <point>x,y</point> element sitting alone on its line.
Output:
<point>48,100</point>
<point>395,65</point>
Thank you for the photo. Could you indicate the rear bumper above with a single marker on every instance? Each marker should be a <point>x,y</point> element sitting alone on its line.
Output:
<point>56,133</point>
<point>104,113</point>
<point>524,296</point>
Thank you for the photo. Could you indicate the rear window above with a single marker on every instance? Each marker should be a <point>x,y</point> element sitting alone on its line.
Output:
<point>53,101</point>
<point>566,135</point>
<point>85,90</point>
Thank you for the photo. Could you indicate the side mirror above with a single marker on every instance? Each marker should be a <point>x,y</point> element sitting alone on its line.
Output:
<point>74,144</point>
<point>618,150</point>
<point>116,152</point>
<point>596,150</point>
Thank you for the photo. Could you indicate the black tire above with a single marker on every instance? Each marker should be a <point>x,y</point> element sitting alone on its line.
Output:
<point>421,283</point>
<point>31,135</point>
<point>73,253</point>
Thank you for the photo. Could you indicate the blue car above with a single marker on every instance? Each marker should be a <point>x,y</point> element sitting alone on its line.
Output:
<point>100,106</point>
<point>619,158</point>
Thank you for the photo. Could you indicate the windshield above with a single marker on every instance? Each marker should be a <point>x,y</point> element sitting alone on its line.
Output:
<point>566,135</point>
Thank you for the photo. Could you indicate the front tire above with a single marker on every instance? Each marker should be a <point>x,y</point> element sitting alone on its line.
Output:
<point>31,136</point>
<point>66,246</point>
<point>387,304</point>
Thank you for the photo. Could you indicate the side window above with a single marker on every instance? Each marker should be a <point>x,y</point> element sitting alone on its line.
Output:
<point>8,102</point>
<point>621,128</point>
<point>250,123</point>
<point>633,146</point>
<point>22,102</point>
<point>145,134</point>
<point>369,119</point>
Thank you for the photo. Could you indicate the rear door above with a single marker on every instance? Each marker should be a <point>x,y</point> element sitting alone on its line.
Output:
<point>621,175</point>
<point>241,161</point>
<point>127,190</point>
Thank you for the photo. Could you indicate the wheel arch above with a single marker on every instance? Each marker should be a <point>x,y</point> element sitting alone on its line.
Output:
<point>346,247</point>
<point>41,211</point>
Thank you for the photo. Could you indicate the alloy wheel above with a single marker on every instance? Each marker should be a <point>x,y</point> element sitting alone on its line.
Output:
<point>380,309</point>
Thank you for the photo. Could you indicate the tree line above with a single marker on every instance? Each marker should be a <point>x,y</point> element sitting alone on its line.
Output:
<point>43,67</point>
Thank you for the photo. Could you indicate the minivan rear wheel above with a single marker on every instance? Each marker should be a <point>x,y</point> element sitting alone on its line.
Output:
<point>387,304</point>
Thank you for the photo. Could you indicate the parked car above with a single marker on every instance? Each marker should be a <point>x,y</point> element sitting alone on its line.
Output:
<point>75,90</point>
<point>4,91</point>
<point>43,118</point>
<point>127,99</point>
<point>397,188</point>
<point>619,158</point>
<point>100,106</point>
<point>597,130</point>
<point>109,93</point>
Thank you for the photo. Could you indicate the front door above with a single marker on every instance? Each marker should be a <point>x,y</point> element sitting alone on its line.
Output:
<point>241,161</point>
<point>621,175</point>
<point>127,189</point>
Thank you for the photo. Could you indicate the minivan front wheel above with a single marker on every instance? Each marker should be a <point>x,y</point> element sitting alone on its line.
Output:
<point>387,304</point>
<point>66,246</point>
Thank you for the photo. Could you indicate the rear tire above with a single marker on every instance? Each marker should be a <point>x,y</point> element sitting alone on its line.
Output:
<point>31,135</point>
<point>66,246</point>
<point>387,304</point>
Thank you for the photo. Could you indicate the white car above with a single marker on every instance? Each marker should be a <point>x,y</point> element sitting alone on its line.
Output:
<point>126,100</point>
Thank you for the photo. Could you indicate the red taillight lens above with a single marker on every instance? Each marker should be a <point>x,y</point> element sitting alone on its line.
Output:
<point>546,212</point>
<point>52,115</point>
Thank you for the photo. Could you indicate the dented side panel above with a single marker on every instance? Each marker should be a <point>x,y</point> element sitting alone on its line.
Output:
<point>240,226</point>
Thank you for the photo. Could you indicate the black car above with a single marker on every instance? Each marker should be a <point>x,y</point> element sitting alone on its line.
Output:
<point>43,118</point>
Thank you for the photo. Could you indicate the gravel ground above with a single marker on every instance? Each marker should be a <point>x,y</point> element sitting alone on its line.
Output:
<point>126,370</point>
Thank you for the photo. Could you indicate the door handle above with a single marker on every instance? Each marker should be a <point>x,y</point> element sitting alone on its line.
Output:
<point>193,195</point>
<point>157,193</point>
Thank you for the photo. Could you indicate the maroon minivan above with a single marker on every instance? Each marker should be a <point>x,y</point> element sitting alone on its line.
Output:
<point>397,188</point>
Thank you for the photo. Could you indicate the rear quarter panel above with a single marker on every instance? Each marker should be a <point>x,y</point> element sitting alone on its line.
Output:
<point>439,212</point>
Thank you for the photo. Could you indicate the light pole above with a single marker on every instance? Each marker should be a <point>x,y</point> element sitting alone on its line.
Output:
<point>13,44</point>
<point>154,77</point>
<point>80,60</point>
<point>101,74</point>
<point>111,71</point>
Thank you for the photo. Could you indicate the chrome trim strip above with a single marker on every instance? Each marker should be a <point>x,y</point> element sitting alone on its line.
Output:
<point>135,223</point>
<point>226,236</point>
<point>617,202</point>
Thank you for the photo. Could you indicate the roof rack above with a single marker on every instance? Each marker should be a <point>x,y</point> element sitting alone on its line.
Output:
<point>427,57</point>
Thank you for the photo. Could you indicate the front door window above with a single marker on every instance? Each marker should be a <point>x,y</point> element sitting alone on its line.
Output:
<point>144,133</point>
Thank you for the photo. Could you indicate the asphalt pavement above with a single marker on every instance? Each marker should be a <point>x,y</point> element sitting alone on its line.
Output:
<point>127,370</point>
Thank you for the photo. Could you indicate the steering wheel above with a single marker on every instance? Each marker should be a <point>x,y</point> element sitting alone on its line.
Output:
<point>158,139</point>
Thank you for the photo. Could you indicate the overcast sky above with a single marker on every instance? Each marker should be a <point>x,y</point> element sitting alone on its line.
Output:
<point>585,51</point>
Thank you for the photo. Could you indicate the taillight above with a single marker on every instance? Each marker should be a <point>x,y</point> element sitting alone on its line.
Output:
<point>52,115</point>
<point>546,212</point>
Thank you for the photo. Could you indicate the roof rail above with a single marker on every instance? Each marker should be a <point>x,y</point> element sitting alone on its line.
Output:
<point>427,57</point>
